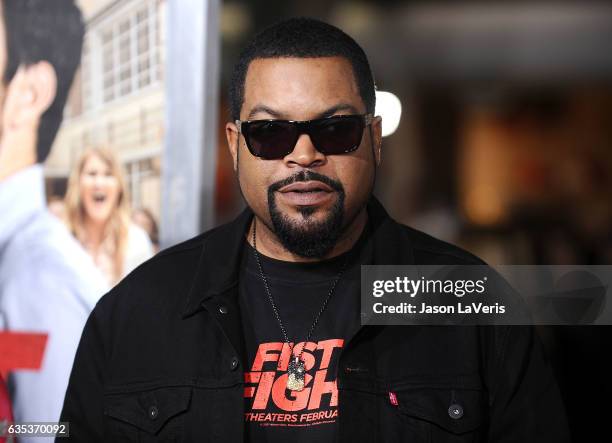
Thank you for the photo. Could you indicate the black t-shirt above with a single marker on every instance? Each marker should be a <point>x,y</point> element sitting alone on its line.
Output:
<point>272,412</point>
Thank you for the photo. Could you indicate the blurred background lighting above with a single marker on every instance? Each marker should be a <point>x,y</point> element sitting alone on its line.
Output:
<point>389,107</point>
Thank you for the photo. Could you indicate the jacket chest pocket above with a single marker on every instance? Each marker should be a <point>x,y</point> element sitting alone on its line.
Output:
<point>156,415</point>
<point>436,415</point>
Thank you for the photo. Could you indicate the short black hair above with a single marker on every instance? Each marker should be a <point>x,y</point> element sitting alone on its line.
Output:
<point>50,30</point>
<point>302,37</point>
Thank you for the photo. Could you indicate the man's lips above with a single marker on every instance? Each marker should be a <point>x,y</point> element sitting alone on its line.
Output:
<point>308,193</point>
<point>309,186</point>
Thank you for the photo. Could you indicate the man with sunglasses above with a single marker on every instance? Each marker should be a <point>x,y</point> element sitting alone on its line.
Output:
<point>251,331</point>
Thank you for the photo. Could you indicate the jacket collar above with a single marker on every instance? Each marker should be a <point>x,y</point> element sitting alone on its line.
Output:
<point>218,268</point>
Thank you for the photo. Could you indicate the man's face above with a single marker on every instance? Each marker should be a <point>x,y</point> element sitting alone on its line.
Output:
<point>306,198</point>
<point>23,101</point>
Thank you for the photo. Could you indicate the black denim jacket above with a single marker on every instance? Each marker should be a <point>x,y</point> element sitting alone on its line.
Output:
<point>161,359</point>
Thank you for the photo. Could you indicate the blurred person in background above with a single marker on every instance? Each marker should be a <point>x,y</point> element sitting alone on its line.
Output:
<point>48,284</point>
<point>98,215</point>
<point>144,218</point>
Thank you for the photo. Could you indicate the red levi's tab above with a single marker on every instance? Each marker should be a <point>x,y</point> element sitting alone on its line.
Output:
<point>393,398</point>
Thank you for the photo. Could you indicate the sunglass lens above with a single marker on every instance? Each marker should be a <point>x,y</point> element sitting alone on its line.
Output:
<point>271,139</point>
<point>337,135</point>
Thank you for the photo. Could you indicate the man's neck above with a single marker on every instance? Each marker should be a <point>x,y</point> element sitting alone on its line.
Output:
<point>269,245</point>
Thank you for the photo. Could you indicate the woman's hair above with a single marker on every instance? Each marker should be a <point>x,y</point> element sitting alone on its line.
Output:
<point>116,229</point>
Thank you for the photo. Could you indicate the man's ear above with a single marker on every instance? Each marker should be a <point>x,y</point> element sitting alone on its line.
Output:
<point>376,126</point>
<point>29,94</point>
<point>231,133</point>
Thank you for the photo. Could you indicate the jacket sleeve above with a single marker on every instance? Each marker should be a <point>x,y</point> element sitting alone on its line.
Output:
<point>524,399</point>
<point>83,404</point>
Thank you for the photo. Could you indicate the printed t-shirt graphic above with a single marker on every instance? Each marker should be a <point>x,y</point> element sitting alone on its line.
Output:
<point>272,412</point>
<point>266,385</point>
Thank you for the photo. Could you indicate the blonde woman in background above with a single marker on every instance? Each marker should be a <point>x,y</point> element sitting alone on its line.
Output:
<point>98,215</point>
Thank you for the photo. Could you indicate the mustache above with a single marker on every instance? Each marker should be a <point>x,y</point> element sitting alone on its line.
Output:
<point>304,176</point>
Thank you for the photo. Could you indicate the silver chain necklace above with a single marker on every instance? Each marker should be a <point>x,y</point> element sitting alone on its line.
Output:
<point>296,370</point>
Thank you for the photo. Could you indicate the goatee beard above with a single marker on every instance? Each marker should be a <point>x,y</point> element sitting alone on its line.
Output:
<point>308,238</point>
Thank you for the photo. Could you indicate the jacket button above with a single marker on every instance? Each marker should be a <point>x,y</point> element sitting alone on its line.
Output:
<point>455,411</point>
<point>223,309</point>
<point>234,363</point>
<point>153,412</point>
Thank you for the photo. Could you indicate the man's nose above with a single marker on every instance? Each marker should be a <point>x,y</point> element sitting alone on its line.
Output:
<point>304,154</point>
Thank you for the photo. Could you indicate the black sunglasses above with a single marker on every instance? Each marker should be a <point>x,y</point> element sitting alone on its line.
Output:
<point>274,139</point>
